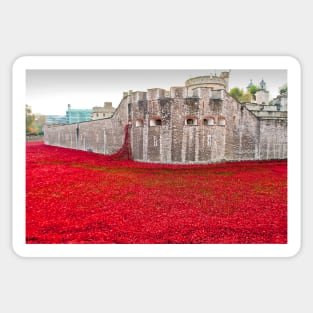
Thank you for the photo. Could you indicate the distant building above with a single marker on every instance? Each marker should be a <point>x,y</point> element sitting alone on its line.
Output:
<point>77,115</point>
<point>102,112</point>
<point>262,95</point>
<point>250,85</point>
<point>281,102</point>
<point>55,119</point>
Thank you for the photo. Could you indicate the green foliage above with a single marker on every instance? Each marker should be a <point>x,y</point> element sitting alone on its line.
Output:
<point>252,90</point>
<point>29,119</point>
<point>34,123</point>
<point>236,93</point>
<point>247,97</point>
<point>283,89</point>
<point>240,96</point>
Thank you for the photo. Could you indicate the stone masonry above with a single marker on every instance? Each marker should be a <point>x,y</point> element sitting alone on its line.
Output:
<point>196,123</point>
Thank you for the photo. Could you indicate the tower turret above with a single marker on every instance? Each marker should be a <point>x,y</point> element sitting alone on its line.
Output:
<point>263,85</point>
<point>262,96</point>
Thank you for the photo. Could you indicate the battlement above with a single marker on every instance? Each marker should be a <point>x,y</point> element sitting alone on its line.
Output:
<point>156,93</point>
<point>178,92</point>
<point>138,96</point>
<point>195,123</point>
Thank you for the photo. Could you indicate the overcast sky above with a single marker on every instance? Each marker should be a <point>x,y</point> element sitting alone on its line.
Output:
<point>50,91</point>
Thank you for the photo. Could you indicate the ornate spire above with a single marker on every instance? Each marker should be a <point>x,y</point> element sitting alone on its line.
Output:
<point>263,84</point>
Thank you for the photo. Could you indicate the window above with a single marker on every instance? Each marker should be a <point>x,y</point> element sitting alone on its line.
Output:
<point>221,121</point>
<point>155,122</point>
<point>191,121</point>
<point>139,123</point>
<point>209,121</point>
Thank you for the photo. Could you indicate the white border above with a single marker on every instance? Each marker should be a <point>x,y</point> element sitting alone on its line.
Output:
<point>156,250</point>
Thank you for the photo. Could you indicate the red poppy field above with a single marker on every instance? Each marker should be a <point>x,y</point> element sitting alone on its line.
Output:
<point>81,197</point>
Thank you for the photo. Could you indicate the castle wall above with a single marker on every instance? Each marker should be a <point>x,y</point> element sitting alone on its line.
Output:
<point>178,142</point>
<point>248,136</point>
<point>273,139</point>
<point>178,127</point>
<point>177,121</point>
<point>64,136</point>
<point>101,136</point>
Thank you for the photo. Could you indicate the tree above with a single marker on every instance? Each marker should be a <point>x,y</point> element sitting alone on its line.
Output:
<point>29,119</point>
<point>252,90</point>
<point>34,122</point>
<point>283,89</point>
<point>236,93</point>
<point>240,96</point>
<point>246,97</point>
<point>38,123</point>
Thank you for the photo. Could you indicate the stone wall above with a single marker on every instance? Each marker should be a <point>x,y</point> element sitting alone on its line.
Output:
<point>176,127</point>
<point>273,139</point>
<point>101,136</point>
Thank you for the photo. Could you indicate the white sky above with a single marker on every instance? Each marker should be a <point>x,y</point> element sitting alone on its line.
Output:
<point>49,92</point>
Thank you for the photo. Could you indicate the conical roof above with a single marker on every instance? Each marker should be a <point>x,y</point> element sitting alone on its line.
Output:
<point>250,84</point>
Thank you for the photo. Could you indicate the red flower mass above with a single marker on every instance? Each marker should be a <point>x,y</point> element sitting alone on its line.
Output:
<point>74,196</point>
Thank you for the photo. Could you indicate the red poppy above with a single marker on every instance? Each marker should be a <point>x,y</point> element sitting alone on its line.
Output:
<point>75,197</point>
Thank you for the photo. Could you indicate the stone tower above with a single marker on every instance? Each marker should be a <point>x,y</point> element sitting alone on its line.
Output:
<point>262,96</point>
<point>212,82</point>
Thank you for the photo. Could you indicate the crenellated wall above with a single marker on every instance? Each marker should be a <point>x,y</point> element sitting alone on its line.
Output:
<point>202,125</point>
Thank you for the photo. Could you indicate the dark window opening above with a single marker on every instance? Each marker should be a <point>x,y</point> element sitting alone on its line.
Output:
<point>189,121</point>
<point>155,122</point>
<point>208,121</point>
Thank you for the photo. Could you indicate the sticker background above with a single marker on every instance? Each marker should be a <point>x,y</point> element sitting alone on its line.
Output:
<point>155,285</point>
